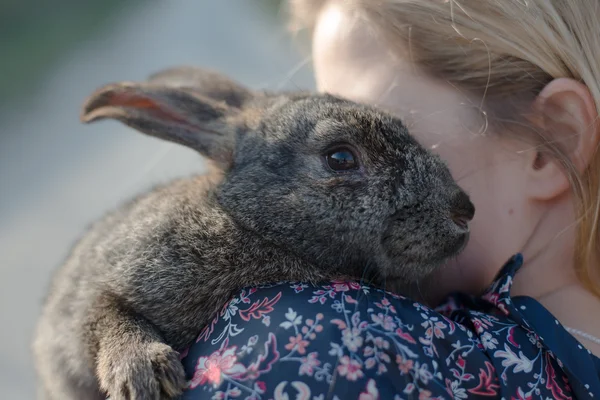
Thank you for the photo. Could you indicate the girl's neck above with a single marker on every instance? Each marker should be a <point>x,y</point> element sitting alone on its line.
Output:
<point>577,308</point>
<point>549,277</point>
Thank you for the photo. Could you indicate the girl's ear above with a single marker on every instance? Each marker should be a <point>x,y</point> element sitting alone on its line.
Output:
<point>172,114</point>
<point>569,119</point>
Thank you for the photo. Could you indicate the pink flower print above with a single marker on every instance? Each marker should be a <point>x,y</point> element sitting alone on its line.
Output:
<point>308,364</point>
<point>435,328</point>
<point>487,382</point>
<point>405,335</point>
<point>492,297</point>
<point>212,368</point>
<point>371,392</point>
<point>386,322</point>
<point>424,394</point>
<point>312,324</point>
<point>421,307</point>
<point>481,324</point>
<point>557,391</point>
<point>297,343</point>
<point>351,369</point>
<point>521,395</point>
<point>260,387</point>
<point>478,325</point>
<point>341,286</point>
<point>260,308</point>
<point>502,307</point>
<point>220,395</point>
<point>404,365</point>
<point>386,305</point>
<point>299,287</point>
<point>381,343</point>
<point>352,339</point>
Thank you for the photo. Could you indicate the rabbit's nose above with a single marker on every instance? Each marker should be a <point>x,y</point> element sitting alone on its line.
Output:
<point>462,210</point>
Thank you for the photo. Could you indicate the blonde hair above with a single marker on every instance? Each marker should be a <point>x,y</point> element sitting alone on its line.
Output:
<point>496,49</point>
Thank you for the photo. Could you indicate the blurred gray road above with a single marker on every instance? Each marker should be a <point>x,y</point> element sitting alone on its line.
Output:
<point>57,175</point>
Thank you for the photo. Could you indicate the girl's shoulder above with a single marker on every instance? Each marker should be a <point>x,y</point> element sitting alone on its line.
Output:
<point>347,340</point>
<point>547,338</point>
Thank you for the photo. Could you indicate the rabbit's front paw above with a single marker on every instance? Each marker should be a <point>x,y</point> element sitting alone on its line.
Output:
<point>151,371</point>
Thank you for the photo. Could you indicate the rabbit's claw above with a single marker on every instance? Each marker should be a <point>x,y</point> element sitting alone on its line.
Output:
<point>151,372</point>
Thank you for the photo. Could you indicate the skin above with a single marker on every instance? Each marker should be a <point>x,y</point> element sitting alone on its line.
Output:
<point>522,198</point>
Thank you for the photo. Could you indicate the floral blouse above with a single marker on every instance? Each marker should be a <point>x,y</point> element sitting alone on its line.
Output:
<point>345,340</point>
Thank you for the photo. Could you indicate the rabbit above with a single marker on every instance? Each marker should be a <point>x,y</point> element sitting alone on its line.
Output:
<point>303,187</point>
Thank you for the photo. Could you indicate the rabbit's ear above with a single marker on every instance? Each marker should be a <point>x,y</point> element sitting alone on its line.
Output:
<point>205,82</point>
<point>168,113</point>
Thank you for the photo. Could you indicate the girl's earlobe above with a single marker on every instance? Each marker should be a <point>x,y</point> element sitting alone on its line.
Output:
<point>546,178</point>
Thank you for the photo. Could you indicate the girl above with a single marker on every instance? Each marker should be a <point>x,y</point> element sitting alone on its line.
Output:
<point>508,92</point>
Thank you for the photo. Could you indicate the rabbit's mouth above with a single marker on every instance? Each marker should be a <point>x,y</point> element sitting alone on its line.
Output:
<point>414,255</point>
<point>461,243</point>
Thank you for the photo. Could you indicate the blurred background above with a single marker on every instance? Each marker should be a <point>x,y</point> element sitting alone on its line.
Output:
<point>57,175</point>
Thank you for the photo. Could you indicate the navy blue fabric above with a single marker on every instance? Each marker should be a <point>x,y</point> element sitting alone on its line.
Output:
<point>345,340</point>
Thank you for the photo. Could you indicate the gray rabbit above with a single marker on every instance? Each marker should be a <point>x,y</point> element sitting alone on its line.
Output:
<point>306,187</point>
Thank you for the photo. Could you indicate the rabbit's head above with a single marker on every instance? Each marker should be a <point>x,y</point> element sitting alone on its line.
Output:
<point>341,185</point>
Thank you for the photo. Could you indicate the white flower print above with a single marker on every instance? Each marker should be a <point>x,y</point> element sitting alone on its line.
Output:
<point>371,392</point>
<point>422,373</point>
<point>352,339</point>
<point>457,391</point>
<point>293,319</point>
<point>488,341</point>
<point>520,362</point>
<point>266,320</point>
<point>336,350</point>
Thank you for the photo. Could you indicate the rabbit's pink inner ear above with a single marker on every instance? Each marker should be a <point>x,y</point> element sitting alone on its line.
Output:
<point>145,104</point>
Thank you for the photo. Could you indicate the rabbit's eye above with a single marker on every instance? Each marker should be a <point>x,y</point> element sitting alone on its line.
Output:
<point>341,159</point>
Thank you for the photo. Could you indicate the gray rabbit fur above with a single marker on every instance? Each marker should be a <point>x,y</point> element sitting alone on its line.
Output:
<point>280,205</point>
